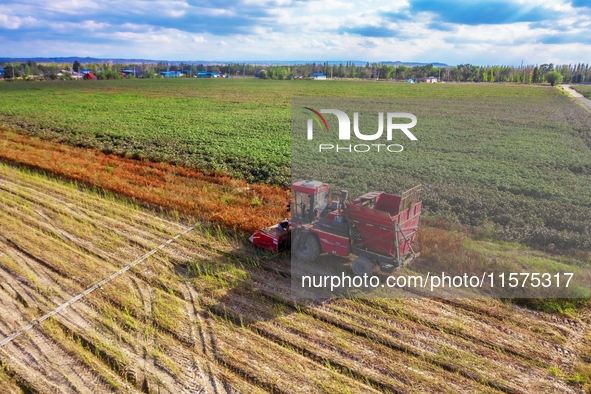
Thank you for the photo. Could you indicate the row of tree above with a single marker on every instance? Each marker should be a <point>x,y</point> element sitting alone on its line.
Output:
<point>461,73</point>
<point>571,73</point>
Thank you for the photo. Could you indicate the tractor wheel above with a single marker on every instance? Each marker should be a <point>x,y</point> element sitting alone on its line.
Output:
<point>309,249</point>
<point>362,266</point>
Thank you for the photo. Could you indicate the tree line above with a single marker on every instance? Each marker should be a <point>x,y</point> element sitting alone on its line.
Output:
<point>567,73</point>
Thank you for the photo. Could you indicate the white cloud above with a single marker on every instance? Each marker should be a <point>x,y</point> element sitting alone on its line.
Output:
<point>174,13</point>
<point>329,5</point>
<point>68,7</point>
<point>14,22</point>
<point>244,39</point>
<point>374,30</point>
<point>92,25</point>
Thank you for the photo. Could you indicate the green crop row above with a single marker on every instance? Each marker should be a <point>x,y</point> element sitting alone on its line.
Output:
<point>519,168</point>
<point>236,126</point>
<point>512,159</point>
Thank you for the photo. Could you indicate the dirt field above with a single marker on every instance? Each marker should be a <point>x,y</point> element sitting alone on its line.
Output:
<point>210,314</point>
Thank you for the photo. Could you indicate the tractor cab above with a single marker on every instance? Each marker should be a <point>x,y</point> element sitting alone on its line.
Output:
<point>309,200</point>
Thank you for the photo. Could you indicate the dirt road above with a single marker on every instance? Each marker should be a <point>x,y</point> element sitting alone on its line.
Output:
<point>578,96</point>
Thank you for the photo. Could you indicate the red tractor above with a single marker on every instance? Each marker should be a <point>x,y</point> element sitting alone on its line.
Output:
<point>379,228</point>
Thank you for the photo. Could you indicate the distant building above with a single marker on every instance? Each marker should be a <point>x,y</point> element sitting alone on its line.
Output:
<point>317,76</point>
<point>428,79</point>
<point>135,73</point>
<point>208,74</point>
<point>1,73</point>
<point>170,74</point>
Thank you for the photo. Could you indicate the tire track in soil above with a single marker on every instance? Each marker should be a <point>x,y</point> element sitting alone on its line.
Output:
<point>309,351</point>
<point>45,361</point>
<point>293,305</point>
<point>209,353</point>
<point>80,329</point>
<point>81,378</point>
<point>149,341</point>
<point>343,369</point>
<point>212,346</point>
<point>310,355</point>
<point>496,347</point>
<point>499,386</point>
<point>63,276</point>
<point>148,304</point>
<point>20,363</point>
<point>209,345</point>
<point>205,374</point>
<point>40,346</point>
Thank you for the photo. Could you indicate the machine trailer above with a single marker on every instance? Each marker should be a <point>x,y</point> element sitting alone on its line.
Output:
<point>377,227</point>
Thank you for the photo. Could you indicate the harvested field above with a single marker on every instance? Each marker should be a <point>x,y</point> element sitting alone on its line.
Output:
<point>210,314</point>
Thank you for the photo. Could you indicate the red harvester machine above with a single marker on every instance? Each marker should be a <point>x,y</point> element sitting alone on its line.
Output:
<point>379,228</point>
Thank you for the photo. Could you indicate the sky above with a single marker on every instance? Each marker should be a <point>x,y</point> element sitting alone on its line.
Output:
<point>485,32</point>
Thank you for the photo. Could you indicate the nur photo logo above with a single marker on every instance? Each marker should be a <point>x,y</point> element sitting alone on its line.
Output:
<point>344,130</point>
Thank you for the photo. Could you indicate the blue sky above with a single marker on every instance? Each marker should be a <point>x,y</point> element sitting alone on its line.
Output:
<point>477,32</point>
